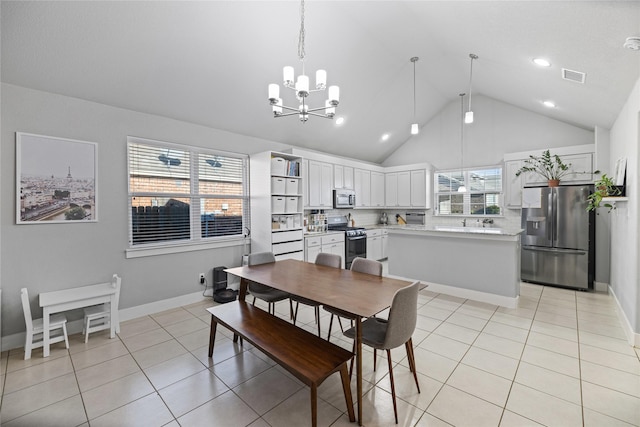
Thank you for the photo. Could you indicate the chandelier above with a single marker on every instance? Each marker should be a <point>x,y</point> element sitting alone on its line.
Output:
<point>301,88</point>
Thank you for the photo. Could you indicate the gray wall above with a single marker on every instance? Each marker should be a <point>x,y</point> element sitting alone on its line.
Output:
<point>45,257</point>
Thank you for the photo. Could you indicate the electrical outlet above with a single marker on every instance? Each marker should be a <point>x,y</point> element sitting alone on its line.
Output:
<point>202,278</point>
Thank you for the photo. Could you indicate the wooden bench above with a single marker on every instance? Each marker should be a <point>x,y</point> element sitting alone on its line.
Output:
<point>306,356</point>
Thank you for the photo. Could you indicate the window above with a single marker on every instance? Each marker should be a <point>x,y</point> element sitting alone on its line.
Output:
<point>483,195</point>
<point>185,195</point>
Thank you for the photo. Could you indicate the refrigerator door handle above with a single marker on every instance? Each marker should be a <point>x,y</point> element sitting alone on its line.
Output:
<point>550,218</point>
<point>559,251</point>
<point>555,217</point>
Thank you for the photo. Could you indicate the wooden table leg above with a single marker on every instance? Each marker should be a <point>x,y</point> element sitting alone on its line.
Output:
<point>212,335</point>
<point>359,366</point>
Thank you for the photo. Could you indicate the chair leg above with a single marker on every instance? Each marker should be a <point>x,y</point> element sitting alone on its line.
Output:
<point>393,386</point>
<point>66,337</point>
<point>330,325</point>
<point>353,350</point>
<point>254,301</point>
<point>295,313</point>
<point>412,361</point>
<point>340,323</point>
<point>291,308</point>
<point>85,331</point>
<point>28,343</point>
<point>318,319</point>
<point>375,358</point>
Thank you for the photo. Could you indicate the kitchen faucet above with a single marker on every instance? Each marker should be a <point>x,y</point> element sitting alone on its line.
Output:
<point>464,222</point>
<point>486,221</point>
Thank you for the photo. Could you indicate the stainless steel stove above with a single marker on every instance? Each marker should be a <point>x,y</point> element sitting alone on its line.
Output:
<point>355,242</point>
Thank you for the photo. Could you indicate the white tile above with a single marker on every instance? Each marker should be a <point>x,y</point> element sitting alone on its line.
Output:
<point>105,372</point>
<point>470,322</point>
<point>557,345</point>
<point>612,403</point>
<point>482,384</point>
<point>462,409</point>
<point>499,345</point>
<point>169,317</point>
<point>550,382</point>
<point>555,330</point>
<point>611,359</point>
<point>607,343</point>
<point>596,419</point>
<point>296,411</point>
<point>68,412</point>
<point>458,333</point>
<point>158,353</point>
<point>146,339</point>
<point>17,380</point>
<point>435,312</point>
<point>553,361</point>
<point>506,331</point>
<point>186,327</point>
<point>515,321</point>
<point>110,396</point>
<point>615,379</point>
<point>488,361</point>
<point>97,355</point>
<point>191,392</point>
<point>428,420</point>
<point>239,369</point>
<point>511,419</point>
<point>406,389</point>
<point>149,411</point>
<point>556,319</point>
<point>173,370</point>
<point>427,323</point>
<point>543,408</point>
<point>236,413</point>
<point>527,313</point>
<point>433,365</point>
<point>279,385</point>
<point>445,347</point>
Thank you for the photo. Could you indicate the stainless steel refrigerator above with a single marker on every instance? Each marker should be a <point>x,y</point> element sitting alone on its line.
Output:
<point>558,243</point>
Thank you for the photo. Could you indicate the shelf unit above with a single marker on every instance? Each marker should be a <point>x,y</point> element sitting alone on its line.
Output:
<point>276,187</point>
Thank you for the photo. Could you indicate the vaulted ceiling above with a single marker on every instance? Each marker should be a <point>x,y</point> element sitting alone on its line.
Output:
<point>210,62</point>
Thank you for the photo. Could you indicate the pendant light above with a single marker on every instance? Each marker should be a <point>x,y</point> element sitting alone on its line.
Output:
<point>468,117</point>
<point>414,126</point>
<point>462,188</point>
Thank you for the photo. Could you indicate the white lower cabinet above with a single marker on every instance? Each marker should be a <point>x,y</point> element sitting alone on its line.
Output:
<point>385,241</point>
<point>374,244</point>
<point>332,243</point>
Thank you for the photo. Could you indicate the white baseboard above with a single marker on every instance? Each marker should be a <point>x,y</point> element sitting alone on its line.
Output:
<point>10,342</point>
<point>509,302</point>
<point>633,338</point>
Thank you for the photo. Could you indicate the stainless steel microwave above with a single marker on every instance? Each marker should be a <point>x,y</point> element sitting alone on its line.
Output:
<point>344,199</point>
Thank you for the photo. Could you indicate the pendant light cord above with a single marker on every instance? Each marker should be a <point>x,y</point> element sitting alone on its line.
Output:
<point>462,135</point>
<point>414,59</point>
<point>472,56</point>
<point>301,52</point>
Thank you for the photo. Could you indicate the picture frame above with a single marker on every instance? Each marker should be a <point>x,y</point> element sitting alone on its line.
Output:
<point>56,180</point>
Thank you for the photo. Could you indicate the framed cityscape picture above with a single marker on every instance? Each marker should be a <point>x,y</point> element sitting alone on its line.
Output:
<point>56,180</point>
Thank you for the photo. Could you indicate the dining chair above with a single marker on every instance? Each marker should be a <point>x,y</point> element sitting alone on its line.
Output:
<point>387,334</point>
<point>360,265</point>
<point>323,258</point>
<point>35,327</point>
<point>98,317</point>
<point>264,292</point>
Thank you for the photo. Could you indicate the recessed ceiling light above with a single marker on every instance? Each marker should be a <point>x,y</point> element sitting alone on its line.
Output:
<point>339,121</point>
<point>549,104</point>
<point>385,136</point>
<point>541,62</point>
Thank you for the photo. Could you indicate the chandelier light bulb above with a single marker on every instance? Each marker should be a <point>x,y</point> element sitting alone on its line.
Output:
<point>334,95</point>
<point>287,73</point>
<point>321,79</point>
<point>302,86</point>
<point>274,93</point>
<point>414,129</point>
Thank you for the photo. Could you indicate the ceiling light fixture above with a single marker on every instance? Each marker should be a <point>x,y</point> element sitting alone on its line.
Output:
<point>414,126</point>
<point>468,117</point>
<point>462,188</point>
<point>385,136</point>
<point>301,87</point>
<point>542,62</point>
<point>339,121</point>
<point>549,104</point>
<point>632,43</point>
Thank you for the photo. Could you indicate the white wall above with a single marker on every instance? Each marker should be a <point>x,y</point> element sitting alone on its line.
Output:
<point>498,128</point>
<point>45,257</point>
<point>625,242</point>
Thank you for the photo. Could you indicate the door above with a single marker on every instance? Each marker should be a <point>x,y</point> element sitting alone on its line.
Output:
<point>571,229</point>
<point>537,217</point>
<point>564,267</point>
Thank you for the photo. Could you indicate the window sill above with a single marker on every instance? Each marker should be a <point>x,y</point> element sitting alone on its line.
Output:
<point>188,247</point>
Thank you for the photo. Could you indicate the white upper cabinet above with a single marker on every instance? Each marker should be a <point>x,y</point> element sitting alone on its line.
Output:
<point>377,190</point>
<point>343,176</point>
<point>406,189</point>
<point>320,185</point>
<point>362,186</point>
<point>512,184</point>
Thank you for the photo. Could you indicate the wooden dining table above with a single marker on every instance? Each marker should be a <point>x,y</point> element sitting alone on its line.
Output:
<point>363,295</point>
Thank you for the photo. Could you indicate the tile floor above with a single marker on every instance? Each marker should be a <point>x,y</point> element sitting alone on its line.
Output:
<point>559,359</point>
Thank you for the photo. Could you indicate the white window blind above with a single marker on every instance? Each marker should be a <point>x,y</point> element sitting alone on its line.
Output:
<point>483,195</point>
<point>180,194</point>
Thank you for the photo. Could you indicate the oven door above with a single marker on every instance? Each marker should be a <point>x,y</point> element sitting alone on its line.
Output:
<point>355,247</point>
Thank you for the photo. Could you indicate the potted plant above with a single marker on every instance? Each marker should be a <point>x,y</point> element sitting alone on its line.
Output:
<point>605,187</point>
<point>550,167</point>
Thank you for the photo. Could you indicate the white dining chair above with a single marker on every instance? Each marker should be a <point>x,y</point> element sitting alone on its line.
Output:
<point>35,327</point>
<point>98,317</point>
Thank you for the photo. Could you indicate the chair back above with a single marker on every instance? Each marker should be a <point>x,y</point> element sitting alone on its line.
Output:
<point>367,266</point>
<point>261,258</point>
<point>330,260</point>
<point>402,316</point>
<point>26,308</point>
<point>257,259</point>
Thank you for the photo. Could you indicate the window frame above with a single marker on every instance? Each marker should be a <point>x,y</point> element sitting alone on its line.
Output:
<point>466,196</point>
<point>195,241</point>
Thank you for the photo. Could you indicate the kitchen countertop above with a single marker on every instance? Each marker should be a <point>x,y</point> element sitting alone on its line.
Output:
<point>450,229</point>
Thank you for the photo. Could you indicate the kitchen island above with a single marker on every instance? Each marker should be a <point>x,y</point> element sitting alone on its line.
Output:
<point>482,264</point>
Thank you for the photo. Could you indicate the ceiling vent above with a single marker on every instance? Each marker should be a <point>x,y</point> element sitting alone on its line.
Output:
<point>574,76</point>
